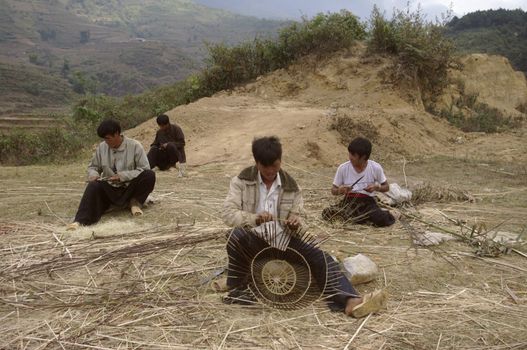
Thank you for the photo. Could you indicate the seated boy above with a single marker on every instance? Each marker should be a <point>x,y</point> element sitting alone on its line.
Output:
<point>357,180</point>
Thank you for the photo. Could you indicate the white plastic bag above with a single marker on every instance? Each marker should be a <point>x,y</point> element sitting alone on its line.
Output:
<point>396,195</point>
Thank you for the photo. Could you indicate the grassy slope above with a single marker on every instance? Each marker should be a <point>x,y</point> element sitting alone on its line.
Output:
<point>131,48</point>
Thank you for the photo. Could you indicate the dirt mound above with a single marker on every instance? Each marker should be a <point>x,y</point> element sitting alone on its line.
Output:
<point>312,104</point>
<point>493,80</point>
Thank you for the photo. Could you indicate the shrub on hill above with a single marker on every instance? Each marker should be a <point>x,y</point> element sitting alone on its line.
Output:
<point>470,115</point>
<point>20,147</point>
<point>322,35</point>
<point>423,52</point>
<point>482,118</point>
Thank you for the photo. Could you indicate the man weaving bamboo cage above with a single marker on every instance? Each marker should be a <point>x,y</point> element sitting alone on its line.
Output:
<point>357,180</point>
<point>118,174</point>
<point>263,195</point>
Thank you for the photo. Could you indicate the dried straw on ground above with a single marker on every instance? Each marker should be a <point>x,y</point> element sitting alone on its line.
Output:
<point>145,285</point>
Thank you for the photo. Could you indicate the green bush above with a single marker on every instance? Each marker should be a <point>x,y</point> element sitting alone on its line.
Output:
<point>82,84</point>
<point>423,52</point>
<point>131,111</point>
<point>482,118</point>
<point>33,58</point>
<point>22,147</point>
<point>322,35</point>
<point>32,88</point>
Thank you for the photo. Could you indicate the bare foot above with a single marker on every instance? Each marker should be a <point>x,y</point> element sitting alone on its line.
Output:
<point>350,305</point>
<point>73,226</point>
<point>220,285</point>
<point>135,207</point>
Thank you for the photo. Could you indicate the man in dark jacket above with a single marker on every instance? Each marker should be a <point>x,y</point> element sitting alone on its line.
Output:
<point>168,147</point>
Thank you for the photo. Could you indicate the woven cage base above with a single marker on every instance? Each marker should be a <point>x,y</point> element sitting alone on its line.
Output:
<point>283,278</point>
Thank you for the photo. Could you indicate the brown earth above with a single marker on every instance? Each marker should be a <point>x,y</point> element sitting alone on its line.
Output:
<point>143,282</point>
<point>299,105</point>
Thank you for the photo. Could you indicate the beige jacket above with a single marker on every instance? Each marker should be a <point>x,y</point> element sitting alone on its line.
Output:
<point>240,205</point>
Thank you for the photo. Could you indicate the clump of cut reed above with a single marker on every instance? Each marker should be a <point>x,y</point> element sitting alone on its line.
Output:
<point>431,193</point>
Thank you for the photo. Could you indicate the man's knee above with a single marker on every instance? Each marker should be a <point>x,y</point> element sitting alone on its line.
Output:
<point>238,237</point>
<point>152,152</point>
<point>94,187</point>
<point>146,176</point>
<point>152,157</point>
<point>382,218</point>
<point>149,174</point>
<point>239,234</point>
<point>171,148</point>
<point>172,151</point>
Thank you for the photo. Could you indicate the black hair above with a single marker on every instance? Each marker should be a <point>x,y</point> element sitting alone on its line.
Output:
<point>360,146</point>
<point>162,119</point>
<point>108,127</point>
<point>267,150</point>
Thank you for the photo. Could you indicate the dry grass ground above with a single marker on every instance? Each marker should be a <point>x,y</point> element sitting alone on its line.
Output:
<point>143,283</point>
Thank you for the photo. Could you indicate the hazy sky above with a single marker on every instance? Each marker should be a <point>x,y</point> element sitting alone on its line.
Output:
<point>294,9</point>
<point>436,7</point>
<point>463,7</point>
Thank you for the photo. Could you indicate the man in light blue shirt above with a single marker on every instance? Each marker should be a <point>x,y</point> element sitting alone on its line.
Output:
<point>119,174</point>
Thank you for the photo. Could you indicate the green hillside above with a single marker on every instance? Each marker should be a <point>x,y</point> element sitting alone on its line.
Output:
<point>182,22</point>
<point>502,32</point>
<point>113,47</point>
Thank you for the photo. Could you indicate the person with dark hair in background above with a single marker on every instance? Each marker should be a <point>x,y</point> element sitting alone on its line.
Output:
<point>168,147</point>
<point>357,180</point>
<point>118,174</point>
<point>264,196</point>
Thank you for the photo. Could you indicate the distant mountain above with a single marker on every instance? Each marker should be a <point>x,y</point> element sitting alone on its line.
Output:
<point>501,32</point>
<point>115,47</point>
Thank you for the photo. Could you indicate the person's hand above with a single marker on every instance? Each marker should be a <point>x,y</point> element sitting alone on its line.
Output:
<point>93,178</point>
<point>263,217</point>
<point>293,222</point>
<point>372,187</point>
<point>343,189</point>
<point>114,178</point>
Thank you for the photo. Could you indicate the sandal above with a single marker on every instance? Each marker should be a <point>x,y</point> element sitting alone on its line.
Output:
<point>371,303</point>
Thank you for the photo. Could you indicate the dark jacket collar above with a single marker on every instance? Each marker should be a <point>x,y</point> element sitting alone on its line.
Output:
<point>288,183</point>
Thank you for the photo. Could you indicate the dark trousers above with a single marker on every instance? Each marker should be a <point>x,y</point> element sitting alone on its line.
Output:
<point>164,158</point>
<point>324,269</point>
<point>99,195</point>
<point>361,210</point>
